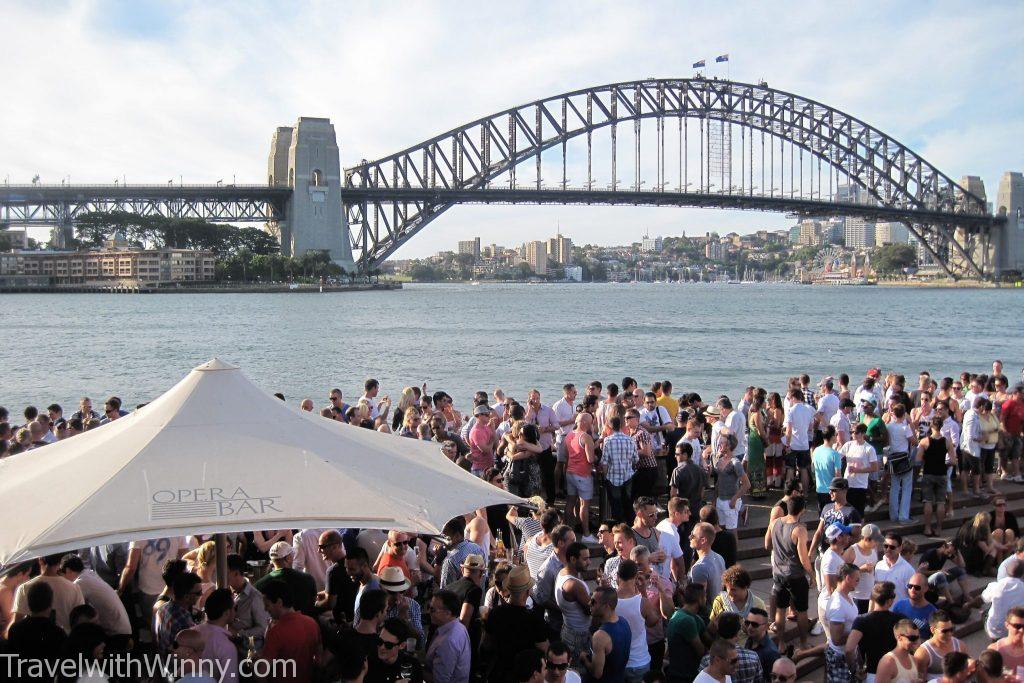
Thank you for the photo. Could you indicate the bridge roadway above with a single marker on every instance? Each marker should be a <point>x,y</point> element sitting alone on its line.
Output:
<point>54,204</point>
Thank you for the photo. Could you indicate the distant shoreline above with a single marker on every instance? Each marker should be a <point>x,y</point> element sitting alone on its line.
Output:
<point>212,289</point>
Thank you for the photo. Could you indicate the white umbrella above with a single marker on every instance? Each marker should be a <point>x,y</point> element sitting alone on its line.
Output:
<point>218,454</point>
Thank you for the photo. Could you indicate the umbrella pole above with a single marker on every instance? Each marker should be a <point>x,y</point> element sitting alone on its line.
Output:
<point>222,559</point>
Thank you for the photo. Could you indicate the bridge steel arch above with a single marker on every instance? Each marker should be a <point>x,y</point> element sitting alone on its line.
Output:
<point>391,199</point>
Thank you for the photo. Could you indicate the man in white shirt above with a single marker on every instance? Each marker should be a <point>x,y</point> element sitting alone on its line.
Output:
<point>674,567</point>
<point>307,557</point>
<point>565,412</point>
<point>841,421</point>
<point>1004,568</point>
<point>798,433</point>
<point>499,403</point>
<point>892,566</point>
<point>733,420</point>
<point>547,424</point>
<point>828,404</point>
<point>861,461</point>
<point>655,420</point>
<point>146,564</point>
<point>1002,595</point>
<point>110,611</point>
<point>66,595</point>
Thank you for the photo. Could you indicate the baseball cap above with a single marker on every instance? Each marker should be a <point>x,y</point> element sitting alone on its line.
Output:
<point>871,532</point>
<point>482,410</point>
<point>281,550</point>
<point>839,484</point>
<point>837,529</point>
<point>874,373</point>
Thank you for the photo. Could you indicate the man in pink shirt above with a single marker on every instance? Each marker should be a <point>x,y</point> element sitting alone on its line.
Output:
<point>220,611</point>
<point>482,440</point>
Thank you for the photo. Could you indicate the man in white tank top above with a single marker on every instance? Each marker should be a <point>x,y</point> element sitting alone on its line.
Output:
<point>573,598</point>
<point>639,613</point>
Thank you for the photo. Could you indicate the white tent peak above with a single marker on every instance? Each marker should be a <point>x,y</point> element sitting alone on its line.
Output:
<point>215,364</point>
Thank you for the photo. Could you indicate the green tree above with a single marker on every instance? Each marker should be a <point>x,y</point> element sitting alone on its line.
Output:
<point>893,258</point>
<point>525,271</point>
<point>424,272</point>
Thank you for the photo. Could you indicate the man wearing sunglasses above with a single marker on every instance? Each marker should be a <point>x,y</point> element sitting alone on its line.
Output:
<point>899,665</point>
<point>1012,646</point>
<point>893,567</point>
<point>916,608</point>
<point>722,663</point>
<point>755,626</point>
<point>783,671</point>
<point>391,660</point>
<point>557,670</point>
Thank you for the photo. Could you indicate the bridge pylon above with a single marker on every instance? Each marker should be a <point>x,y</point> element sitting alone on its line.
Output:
<point>305,158</point>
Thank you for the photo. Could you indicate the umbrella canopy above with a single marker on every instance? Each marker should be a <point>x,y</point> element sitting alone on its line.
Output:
<point>218,454</point>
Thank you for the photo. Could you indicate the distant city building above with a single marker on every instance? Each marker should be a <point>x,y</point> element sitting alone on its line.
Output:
<point>891,233</point>
<point>859,233</point>
<point>537,257</point>
<point>17,238</point>
<point>471,247</point>
<point>574,273</point>
<point>651,244</point>
<point>124,267</point>
<point>794,234</point>
<point>560,250</point>
<point>713,250</point>
<point>810,233</point>
<point>493,251</point>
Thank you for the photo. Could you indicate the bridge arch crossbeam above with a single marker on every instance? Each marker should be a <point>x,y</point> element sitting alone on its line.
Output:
<point>892,174</point>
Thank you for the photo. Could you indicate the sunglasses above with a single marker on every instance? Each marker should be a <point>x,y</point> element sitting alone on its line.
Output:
<point>890,546</point>
<point>399,543</point>
<point>913,587</point>
<point>754,624</point>
<point>780,677</point>
<point>914,637</point>
<point>326,546</point>
<point>1016,626</point>
<point>558,667</point>
<point>948,629</point>
<point>386,644</point>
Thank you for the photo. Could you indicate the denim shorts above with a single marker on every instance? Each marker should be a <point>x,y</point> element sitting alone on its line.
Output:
<point>582,487</point>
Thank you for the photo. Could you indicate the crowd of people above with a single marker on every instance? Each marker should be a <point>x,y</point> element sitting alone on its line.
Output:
<point>623,567</point>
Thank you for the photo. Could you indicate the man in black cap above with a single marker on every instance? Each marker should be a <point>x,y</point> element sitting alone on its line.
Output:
<point>838,511</point>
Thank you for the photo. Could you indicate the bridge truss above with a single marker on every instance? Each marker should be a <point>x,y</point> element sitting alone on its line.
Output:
<point>715,143</point>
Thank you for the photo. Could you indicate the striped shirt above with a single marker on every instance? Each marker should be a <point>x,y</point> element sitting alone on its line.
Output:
<point>620,456</point>
<point>451,570</point>
<point>536,555</point>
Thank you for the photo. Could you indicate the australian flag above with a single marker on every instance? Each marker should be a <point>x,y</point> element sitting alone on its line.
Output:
<point>722,58</point>
<point>698,65</point>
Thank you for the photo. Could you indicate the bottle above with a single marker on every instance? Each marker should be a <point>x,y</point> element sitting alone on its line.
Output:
<point>499,547</point>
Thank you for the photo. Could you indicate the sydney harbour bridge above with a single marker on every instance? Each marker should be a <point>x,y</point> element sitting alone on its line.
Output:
<point>693,142</point>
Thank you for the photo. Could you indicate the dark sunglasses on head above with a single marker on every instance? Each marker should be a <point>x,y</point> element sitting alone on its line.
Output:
<point>386,644</point>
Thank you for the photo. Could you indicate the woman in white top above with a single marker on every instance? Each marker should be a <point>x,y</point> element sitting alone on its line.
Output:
<point>899,666</point>
<point>864,554</point>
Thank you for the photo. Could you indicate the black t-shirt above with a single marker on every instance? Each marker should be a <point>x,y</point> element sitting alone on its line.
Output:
<point>498,524</point>
<point>689,480</point>
<point>512,629</point>
<point>470,593</point>
<point>380,672</point>
<point>877,638</point>
<point>725,545</point>
<point>933,559</point>
<point>35,638</point>
<point>341,585</point>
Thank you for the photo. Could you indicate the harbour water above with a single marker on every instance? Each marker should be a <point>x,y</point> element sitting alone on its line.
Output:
<point>709,338</point>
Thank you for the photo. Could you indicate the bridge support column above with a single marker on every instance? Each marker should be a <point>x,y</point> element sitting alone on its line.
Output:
<point>305,158</point>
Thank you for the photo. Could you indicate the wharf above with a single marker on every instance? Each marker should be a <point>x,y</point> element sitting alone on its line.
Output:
<point>199,289</point>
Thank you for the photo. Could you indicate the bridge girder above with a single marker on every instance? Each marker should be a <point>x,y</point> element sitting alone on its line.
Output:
<point>391,199</point>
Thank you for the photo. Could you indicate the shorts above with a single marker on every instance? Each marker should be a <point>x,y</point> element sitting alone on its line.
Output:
<point>581,487</point>
<point>1014,448</point>
<point>988,460</point>
<point>791,591</point>
<point>728,517</point>
<point>933,487</point>
<point>973,464</point>
<point>796,459</point>
<point>942,579</point>
<point>836,668</point>
<point>561,452</point>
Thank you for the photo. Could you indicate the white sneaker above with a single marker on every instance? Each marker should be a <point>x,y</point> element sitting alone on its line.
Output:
<point>818,629</point>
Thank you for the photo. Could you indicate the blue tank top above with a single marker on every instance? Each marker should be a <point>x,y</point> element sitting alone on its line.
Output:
<point>615,662</point>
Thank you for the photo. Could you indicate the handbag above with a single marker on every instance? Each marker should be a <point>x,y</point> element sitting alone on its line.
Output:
<point>900,465</point>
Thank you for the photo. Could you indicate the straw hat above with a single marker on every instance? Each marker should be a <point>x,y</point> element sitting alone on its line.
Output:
<point>474,562</point>
<point>393,580</point>
<point>518,579</point>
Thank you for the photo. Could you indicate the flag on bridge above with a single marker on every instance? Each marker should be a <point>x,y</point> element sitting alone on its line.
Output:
<point>698,65</point>
<point>722,58</point>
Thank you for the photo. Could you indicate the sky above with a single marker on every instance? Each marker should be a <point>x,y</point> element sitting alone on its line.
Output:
<point>154,91</point>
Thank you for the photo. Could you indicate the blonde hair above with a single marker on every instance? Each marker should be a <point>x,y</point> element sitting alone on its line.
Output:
<point>207,554</point>
<point>407,416</point>
<point>407,400</point>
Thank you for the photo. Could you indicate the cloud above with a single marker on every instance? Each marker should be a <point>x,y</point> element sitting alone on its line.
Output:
<point>100,90</point>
